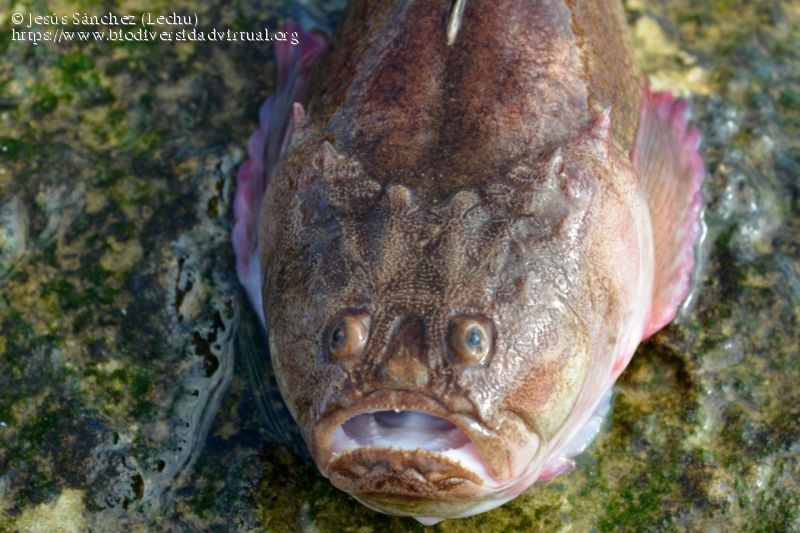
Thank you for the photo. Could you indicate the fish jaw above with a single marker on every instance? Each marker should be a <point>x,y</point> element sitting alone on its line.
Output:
<point>406,454</point>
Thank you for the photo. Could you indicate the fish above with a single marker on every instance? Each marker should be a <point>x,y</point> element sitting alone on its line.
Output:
<point>456,223</point>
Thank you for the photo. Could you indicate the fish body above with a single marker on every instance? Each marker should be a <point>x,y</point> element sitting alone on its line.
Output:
<point>458,241</point>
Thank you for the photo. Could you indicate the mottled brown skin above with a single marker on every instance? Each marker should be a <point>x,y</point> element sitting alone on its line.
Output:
<point>522,77</point>
<point>430,182</point>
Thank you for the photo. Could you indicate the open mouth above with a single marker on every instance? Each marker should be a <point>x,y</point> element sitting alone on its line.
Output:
<point>409,430</point>
<point>406,430</point>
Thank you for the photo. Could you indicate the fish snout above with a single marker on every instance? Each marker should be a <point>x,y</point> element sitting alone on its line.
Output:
<point>405,365</point>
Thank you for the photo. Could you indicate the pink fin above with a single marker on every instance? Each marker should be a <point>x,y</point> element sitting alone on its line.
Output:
<point>264,149</point>
<point>670,169</point>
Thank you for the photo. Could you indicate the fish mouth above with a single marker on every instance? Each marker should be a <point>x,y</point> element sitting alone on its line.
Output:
<point>404,453</point>
<point>406,430</point>
<point>409,434</point>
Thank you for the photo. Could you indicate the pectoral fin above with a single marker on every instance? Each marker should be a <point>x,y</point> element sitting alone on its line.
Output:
<point>264,149</point>
<point>671,171</point>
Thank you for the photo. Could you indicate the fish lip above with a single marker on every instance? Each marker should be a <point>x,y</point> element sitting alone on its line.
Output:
<point>391,475</point>
<point>487,441</point>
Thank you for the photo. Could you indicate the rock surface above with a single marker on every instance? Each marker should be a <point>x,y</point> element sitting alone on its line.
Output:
<point>122,404</point>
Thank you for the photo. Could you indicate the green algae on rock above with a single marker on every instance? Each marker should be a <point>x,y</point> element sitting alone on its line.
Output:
<point>118,301</point>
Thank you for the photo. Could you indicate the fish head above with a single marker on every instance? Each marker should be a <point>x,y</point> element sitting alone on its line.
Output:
<point>431,349</point>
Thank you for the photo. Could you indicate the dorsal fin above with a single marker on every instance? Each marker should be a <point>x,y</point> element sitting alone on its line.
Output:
<point>454,22</point>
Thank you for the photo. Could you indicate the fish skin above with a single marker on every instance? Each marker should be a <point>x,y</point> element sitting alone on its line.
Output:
<point>401,100</point>
<point>491,178</point>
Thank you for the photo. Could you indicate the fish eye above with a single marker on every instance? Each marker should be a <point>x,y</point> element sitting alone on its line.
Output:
<point>348,337</point>
<point>469,339</point>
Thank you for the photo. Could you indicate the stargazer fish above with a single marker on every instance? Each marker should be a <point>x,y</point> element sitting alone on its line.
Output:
<point>456,238</point>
